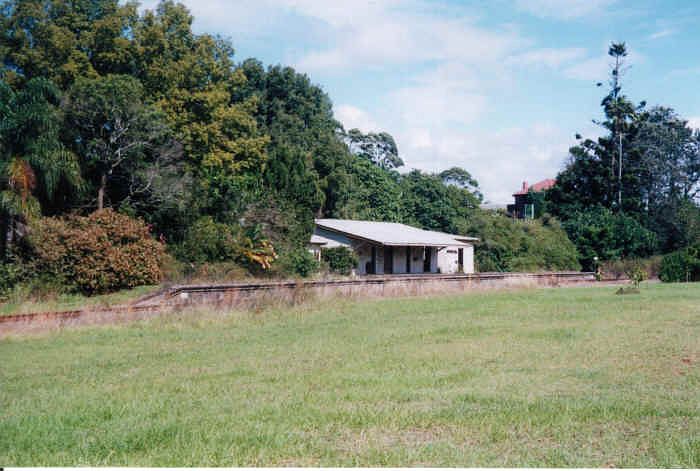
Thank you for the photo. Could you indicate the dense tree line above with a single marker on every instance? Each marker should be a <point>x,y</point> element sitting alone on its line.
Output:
<point>635,190</point>
<point>104,108</point>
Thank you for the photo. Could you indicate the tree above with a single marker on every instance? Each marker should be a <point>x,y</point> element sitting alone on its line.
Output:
<point>192,78</point>
<point>34,164</point>
<point>594,174</point>
<point>462,179</point>
<point>429,203</point>
<point>618,109</point>
<point>365,191</point>
<point>669,173</point>
<point>645,167</point>
<point>600,232</point>
<point>380,148</point>
<point>63,40</point>
<point>112,126</point>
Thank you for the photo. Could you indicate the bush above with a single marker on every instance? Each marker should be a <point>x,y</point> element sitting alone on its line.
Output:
<point>618,269</point>
<point>298,262</point>
<point>340,260</point>
<point>208,241</point>
<point>513,245</point>
<point>100,253</point>
<point>10,275</point>
<point>598,232</point>
<point>681,266</point>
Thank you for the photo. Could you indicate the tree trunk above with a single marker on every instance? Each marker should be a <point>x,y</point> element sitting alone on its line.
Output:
<point>4,236</point>
<point>101,192</point>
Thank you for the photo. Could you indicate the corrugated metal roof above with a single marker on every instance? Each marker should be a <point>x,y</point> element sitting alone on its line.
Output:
<point>318,240</point>
<point>393,233</point>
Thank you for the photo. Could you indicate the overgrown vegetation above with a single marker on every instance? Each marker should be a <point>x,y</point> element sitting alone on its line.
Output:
<point>95,254</point>
<point>514,245</point>
<point>227,162</point>
<point>340,260</point>
<point>681,266</point>
<point>634,191</point>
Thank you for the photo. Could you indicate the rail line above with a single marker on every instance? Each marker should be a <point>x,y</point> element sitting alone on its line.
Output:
<point>239,294</point>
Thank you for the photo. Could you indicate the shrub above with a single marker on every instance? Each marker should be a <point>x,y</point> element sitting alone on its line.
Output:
<point>100,253</point>
<point>299,262</point>
<point>11,274</point>
<point>682,265</point>
<point>208,241</point>
<point>635,271</point>
<point>513,245</point>
<point>622,268</point>
<point>598,232</point>
<point>340,260</point>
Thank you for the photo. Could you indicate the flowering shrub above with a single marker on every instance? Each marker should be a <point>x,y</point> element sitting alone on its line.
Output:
<point>99,253</point>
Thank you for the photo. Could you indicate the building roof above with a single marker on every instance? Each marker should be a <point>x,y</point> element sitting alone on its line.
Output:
<point>318,240</point>
<point>545,184</point>
<point>393,233</point>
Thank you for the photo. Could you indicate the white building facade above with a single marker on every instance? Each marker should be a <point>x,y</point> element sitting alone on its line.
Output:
<point>385,248</point>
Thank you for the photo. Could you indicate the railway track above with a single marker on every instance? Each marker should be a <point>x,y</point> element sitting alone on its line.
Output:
<point>233,295</point>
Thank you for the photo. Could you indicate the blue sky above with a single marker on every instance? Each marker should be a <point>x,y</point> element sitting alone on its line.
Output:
<point>497,87</point>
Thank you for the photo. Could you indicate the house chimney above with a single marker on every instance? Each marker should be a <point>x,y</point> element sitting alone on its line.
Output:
<point>525,187</point>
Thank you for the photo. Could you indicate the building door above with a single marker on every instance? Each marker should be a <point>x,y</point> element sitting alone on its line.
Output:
<point>388,260</point>
<point>372,264</point>
<point>408,259</point>
<point>426,259</point>
<point>460,260</point>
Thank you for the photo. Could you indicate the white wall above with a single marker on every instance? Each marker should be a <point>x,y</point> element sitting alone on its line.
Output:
<point>448,259</point>
<point>469,259</point>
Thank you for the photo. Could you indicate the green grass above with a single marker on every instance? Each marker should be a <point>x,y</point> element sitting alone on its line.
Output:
<point>20,302</point>
<point>557,377</point>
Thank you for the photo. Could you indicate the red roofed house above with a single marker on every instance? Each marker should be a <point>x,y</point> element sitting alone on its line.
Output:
<point>523,207</point>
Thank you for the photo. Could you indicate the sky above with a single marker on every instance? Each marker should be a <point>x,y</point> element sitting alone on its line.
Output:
<point>497,87</point>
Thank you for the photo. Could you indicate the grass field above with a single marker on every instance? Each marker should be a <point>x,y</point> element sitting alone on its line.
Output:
<point>552,377</point>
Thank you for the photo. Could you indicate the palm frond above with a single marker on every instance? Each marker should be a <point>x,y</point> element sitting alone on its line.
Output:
<point>21,178</point>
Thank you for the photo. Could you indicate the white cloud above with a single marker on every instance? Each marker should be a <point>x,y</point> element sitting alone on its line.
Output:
<point>594,68</point>
<point>447,96</point>
<point>694,122</point>
<point>547,57</point>
<point>390,37</point>
<point>597,68</point>
<point>500,160</point>
<point>563,9</point>
<point>662,33</point>
<point>353,117</point>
